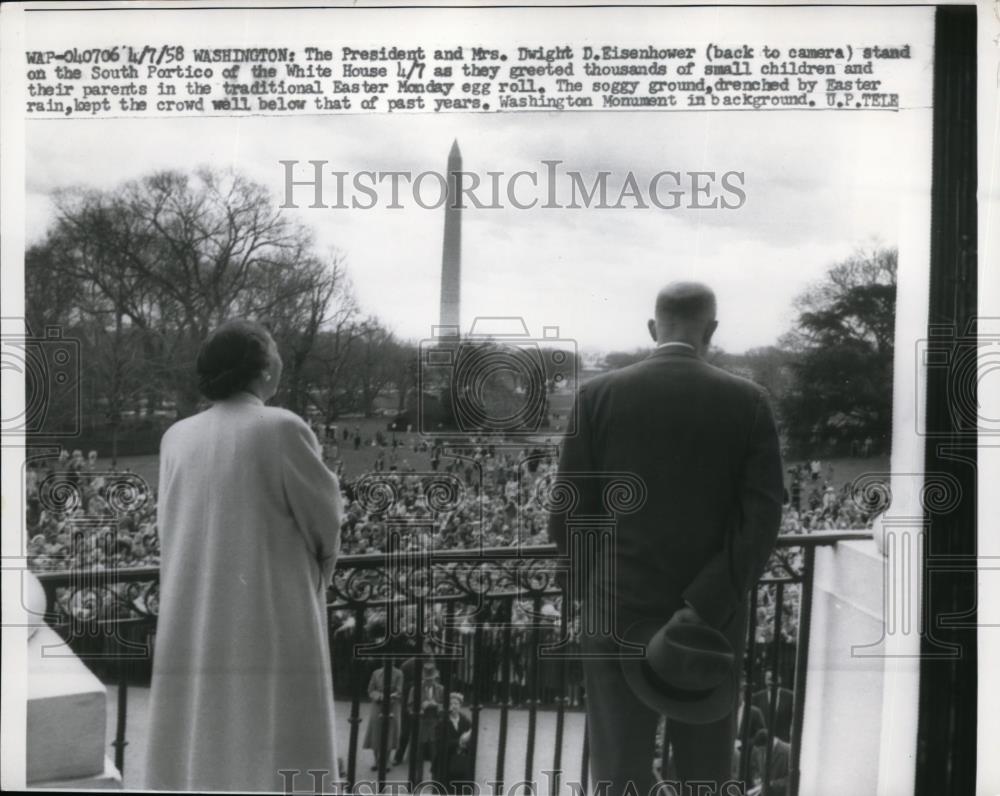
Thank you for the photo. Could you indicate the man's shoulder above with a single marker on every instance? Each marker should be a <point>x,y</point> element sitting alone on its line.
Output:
<point>615,378</point>
<point>596,384</point>
<point>701,374</point>
<point>736,383</point>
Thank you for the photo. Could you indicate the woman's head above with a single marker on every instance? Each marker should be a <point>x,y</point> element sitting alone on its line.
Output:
<point>239,356</point>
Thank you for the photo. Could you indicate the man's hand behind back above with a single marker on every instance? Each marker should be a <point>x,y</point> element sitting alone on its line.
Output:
<point>686,616</point>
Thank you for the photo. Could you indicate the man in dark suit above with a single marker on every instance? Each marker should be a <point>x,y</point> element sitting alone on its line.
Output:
<point>452,760</point>
<point>748,724</point>
<point>778,770</point>
<point>782,716</point>
<point>754,719</point>
<point>409,669</point>
<point>704,443</point>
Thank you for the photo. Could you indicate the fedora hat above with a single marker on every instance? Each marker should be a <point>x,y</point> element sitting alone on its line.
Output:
<point>689,671</point>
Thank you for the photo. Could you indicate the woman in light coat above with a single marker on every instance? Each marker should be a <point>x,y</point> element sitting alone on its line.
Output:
<point>249,524</point>
<point>376,692</point>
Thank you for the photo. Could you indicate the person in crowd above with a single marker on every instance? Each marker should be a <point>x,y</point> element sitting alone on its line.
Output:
<point>777,771</point>
<point>796,489</point>
<point>428,697</point>
<point>409,667</point>
<point>748,724</point>
<point>453,762</point>
<point>249,523</point>
<point>384,703</point>
<point>782,705</point>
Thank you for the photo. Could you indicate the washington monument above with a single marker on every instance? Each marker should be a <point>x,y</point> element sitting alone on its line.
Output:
<point>451,254</point>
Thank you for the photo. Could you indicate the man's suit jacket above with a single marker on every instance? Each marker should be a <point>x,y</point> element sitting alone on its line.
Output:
<point>410,667</point>
<point>427,689</point>
<point>705,445</point>
<point>756,721</point>
<point>782,709</point>
<point>779,769</point>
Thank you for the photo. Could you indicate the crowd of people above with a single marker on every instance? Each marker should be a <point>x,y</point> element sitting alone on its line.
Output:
<point>412,715</point>
<point>482,496</point>
<point>479,495</point>
<point>497,665</point>
<point>814,503</point>
<point>81,517</point>
<point>485,495</point>
<point>489,499</point>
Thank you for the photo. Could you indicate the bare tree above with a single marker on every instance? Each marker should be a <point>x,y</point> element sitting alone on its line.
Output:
<point>116,368</point>
<point>50,298</point>
<point>373,367</point>
<point>177,254</point>
<point>311,306</point>
<point>328,367</point>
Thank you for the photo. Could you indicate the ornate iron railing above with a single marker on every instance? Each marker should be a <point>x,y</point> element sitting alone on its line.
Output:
<point>487,613</point>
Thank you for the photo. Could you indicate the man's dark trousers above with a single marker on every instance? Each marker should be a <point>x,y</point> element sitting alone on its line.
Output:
<point>622,727</point>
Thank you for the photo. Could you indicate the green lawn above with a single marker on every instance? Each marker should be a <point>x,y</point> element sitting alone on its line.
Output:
<point>356,463</point>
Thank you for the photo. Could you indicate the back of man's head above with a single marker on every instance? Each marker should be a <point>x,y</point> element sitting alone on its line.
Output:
<point>685,312</point>
<point>685,302</point>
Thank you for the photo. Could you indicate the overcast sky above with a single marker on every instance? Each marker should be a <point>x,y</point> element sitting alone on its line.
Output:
<point>818,185</point>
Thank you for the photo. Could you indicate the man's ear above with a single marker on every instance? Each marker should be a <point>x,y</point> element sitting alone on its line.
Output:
<point>709,331</point>
<point>651,325</point>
